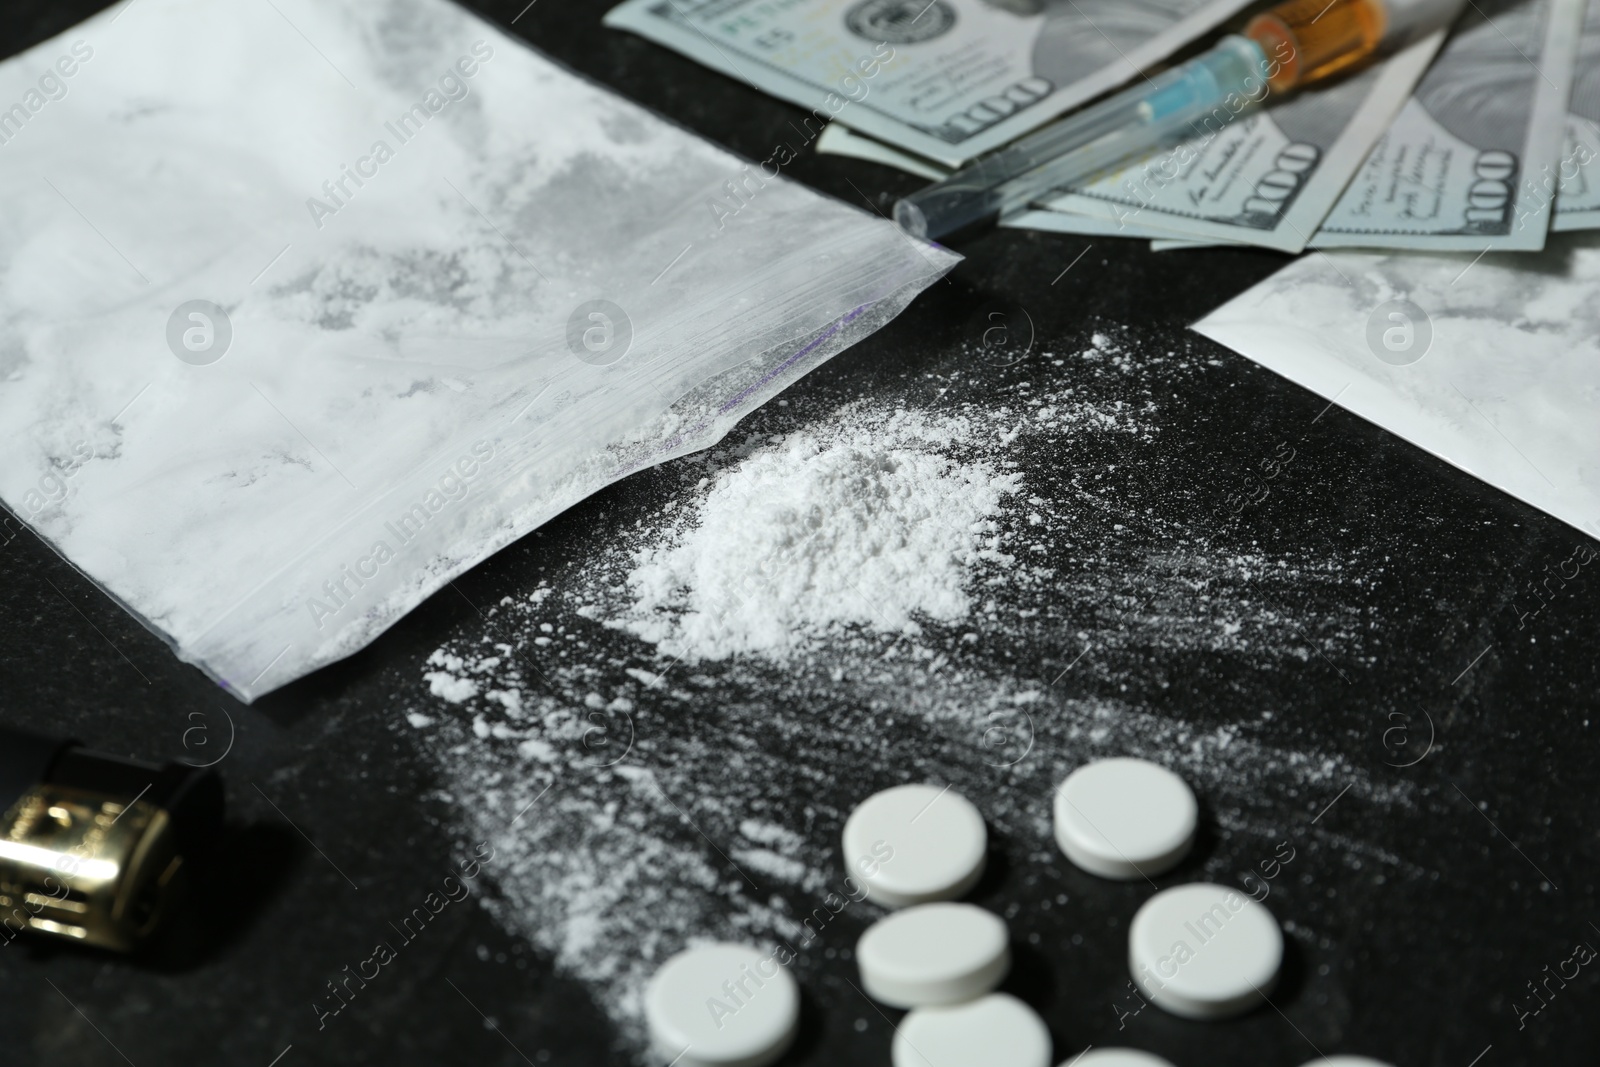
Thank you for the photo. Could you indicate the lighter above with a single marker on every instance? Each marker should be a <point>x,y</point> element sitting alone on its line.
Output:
<point>94,848</point>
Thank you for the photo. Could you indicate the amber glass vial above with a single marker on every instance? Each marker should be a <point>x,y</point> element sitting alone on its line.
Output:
<point>1311,39</point>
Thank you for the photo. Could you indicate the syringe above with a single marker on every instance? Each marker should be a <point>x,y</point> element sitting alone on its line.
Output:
<point>1289,46</point>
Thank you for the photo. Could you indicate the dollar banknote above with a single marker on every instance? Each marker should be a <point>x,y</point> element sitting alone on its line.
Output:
<point>1578,201</point>
<point>1471,161</point>
<point>1161,244</point>
<point>1267,177</point>
<point>839,140</point>
<point>946,79</point>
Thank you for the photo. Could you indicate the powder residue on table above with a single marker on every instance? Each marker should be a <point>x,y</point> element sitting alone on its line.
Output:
<point>664,741</point>
<point>865,523</point>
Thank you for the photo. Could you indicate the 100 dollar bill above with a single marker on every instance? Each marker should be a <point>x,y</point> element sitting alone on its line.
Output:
<point>1578,202</point>
<point>1468,162</point>
<point>1266,178</point>
<point>946,79</point>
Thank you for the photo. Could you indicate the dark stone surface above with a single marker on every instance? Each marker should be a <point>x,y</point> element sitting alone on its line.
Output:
<point>1421,970</point>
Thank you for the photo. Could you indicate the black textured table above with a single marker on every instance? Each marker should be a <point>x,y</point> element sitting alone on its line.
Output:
<point>1415,929</point>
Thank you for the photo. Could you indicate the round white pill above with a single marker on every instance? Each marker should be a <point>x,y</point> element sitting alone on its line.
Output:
<point>1125,818</point>
<point>915,844</point>
<point>934,954</point>
<point>992,1030</point>
<point>722,1006</point>
<point>1204,951</point>
<point>1116,1057</point>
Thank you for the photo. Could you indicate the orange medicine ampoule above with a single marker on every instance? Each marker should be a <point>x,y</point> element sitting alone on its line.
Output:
<point>1311,39</point>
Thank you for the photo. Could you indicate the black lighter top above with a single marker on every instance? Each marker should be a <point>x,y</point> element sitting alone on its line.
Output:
<point>95,848</point>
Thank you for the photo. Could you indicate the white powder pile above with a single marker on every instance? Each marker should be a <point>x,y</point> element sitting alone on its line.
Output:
<point>868,525</point>
<point>664,737</point>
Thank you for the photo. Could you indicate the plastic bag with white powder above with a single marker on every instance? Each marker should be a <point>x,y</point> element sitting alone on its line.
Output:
<point>308,307</point>
<point>1490,363</point>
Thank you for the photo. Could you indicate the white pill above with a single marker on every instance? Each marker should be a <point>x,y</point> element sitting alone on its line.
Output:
<point>1116,1057</point>
<point>722,1006</point>
<point>1125,818</point>
<point>1204,951</point>
<point>934,954</point>
<point>915,844</point>
<point>991,1031</point>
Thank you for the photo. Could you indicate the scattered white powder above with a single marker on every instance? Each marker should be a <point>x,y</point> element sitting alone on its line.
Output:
<point>451,688</point>
<point>448,683</point>
<point>663,740</point>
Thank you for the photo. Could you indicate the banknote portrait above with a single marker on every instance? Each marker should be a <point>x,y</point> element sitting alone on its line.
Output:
<point>1075,40</point>
<point>1481,89</point>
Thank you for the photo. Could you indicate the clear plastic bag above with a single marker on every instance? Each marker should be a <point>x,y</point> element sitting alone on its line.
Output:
<point>1488,362</point>
<point>309,307</point>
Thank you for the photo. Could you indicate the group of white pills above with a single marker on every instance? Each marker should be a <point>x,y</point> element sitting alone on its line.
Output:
<point>1200,951</point>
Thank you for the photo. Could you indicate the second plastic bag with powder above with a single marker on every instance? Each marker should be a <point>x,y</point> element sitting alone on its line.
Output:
<point>307,308</point>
